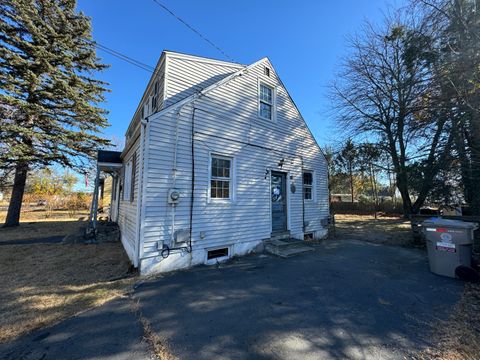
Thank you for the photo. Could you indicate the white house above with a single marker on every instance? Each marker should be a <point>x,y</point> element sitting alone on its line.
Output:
<point>217,160</point>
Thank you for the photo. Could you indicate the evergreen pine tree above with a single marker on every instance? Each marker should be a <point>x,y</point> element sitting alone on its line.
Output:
<point>48,94</point>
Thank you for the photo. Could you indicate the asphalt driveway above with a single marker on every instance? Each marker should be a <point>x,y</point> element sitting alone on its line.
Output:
<point>348,299</point>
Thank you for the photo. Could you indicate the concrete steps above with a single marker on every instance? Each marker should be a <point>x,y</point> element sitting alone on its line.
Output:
<point>286,247</point>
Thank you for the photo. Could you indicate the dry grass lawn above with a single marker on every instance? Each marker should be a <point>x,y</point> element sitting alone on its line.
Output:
<point>40,229</point>
<point>45,283</point>
<point>35,224</point>
<point>458,338</point>
<point>384,230</point>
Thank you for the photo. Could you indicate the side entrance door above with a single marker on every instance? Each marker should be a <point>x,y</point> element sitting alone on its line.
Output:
<point>279,202</point>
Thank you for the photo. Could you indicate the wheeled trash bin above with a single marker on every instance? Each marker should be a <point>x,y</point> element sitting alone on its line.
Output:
<point>449,244</point>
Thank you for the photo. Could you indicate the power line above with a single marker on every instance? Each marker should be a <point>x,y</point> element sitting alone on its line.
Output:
<point>124,57</point>
<point>194,30</point>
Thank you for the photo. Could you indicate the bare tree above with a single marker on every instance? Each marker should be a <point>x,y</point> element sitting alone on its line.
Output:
<point>455,25</point>
<point>384,90</point>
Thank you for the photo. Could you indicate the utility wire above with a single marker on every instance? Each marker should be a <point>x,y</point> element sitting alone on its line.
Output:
<point>124,57</point>
<point>194,30</point>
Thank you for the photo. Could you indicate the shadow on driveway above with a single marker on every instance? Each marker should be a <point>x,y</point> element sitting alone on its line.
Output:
<point>109,332</point>
<point>349,299</point>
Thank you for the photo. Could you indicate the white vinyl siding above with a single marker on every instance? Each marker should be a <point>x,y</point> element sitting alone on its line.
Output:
<point>127,209</point>
<point>187,76</point>
<point>149,98</point>
<point>226,122</point>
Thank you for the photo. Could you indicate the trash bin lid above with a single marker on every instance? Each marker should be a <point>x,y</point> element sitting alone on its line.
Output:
<point>437,221</point>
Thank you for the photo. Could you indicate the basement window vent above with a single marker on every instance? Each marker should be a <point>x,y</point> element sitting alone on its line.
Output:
<point>217,253</point>
<point>308,237</point>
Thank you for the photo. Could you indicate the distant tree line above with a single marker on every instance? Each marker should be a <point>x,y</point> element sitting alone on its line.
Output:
<point>411,85</point>
<point>361,171</point>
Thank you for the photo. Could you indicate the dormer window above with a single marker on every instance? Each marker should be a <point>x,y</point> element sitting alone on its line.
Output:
<point>155,97</point>
<point>266,97</point>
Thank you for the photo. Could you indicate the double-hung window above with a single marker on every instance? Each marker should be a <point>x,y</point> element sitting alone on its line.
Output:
<point>129,179</point>
<point>307,185</point>
<point>266,99</point>
<point>220,177</point>
<point>155,97</point>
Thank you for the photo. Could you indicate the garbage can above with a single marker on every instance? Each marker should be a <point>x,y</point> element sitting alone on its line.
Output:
<point>449,244</point>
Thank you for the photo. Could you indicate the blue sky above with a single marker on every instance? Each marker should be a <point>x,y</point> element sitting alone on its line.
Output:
<point>304,40</point>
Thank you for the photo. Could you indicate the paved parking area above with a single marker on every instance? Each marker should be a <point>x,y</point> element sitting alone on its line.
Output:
<point>348,299</point>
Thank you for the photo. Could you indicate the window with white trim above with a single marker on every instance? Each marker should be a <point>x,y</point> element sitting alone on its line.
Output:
<point>155,97</point>
<point>220,177</point>
<point>127,181</point>
<point>265,97</point>
<point>307,185</point>
<point>132,177</point>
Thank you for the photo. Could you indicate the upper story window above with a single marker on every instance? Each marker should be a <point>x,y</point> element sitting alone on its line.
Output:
<point>154,102</point>
<point>266,97</point>
<point>129,179</point>
<point>220,177</point>
<point>155,97</point>
<point>307,185</point>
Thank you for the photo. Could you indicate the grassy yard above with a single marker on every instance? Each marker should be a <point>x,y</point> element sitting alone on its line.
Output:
<point>43,284</point>
<point>384,230</point>
<point>458,337</point>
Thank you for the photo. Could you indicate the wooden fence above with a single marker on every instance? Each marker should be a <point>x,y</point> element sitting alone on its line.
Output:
<point>365,208</point>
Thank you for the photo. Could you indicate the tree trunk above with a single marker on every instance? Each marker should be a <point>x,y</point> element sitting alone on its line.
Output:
<point>13,215</point>
<point>475,174</point>
<point>351,180</point>
<point>374,190</point>
<point>402,185</point>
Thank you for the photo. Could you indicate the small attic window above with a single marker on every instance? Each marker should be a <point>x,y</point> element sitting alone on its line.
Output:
<point>266,71</point>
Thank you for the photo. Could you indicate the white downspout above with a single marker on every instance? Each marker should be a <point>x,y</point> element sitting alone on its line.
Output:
<point>174,173</point>
<point>140,207</point>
